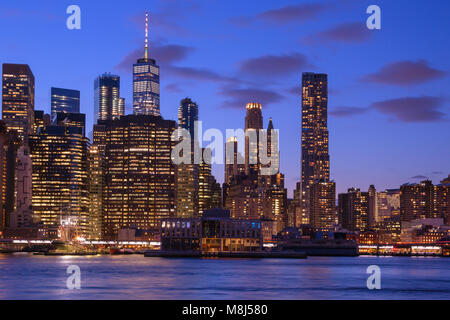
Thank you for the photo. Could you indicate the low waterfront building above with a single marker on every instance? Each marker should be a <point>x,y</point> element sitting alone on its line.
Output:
<point>215,231</point>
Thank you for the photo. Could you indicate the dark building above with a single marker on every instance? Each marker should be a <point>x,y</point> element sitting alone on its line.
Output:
<point>9,145</point>
<point>107,104</point>
<point>18,98</point>
<point>146,82</point>
<point>72,120</point>
<point>64,100</point>
<point>315,157</point>
<point>139,175</point>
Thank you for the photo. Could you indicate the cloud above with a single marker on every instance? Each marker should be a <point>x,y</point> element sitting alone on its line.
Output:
<point>345,111</point>
<point>173,87</point>
<point>419,177</point>
<point>412,109</point>
<point>199,74</point>
<point>163,54</point>
<point>297,13</point>
<point>405,73</point>
<point>347,32</point>
<point>239,97</point>
<point>269,65</point>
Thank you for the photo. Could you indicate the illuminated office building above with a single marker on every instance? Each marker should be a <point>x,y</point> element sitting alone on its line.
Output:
<point>146,83</point>
<point>107,101</point>
<point>315,160</point>
<point>18,98</point>
<point>139,175</point>
<point>60,186</point>
<point>64,100</point>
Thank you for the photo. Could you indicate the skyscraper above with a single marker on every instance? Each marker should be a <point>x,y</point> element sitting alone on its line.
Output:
<point>139,173</point>
<point>187,174</point>
<point>64,100</point>
<point>146,82</point>
<point>253,123</point>
<point>60,186</point>
<point>315,157</point>
<point>107,103</point>
<point>18,98</point>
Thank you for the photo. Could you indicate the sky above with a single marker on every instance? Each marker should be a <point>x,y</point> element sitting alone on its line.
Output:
<point>388,109</point>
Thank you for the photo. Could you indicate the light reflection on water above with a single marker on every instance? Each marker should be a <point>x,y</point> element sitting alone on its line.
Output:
<point>24,276</point>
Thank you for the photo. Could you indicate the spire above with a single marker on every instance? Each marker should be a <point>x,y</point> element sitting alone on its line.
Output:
<point>270,126</point>
<point>146,36</point>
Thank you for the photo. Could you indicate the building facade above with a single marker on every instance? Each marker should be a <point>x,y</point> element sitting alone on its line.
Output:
<point>60,186</point>
<point>139,175</point>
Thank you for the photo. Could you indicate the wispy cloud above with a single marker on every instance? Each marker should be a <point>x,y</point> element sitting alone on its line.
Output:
<point>413,109</point>
<point>346,111</point>
<point>404,73</point>
<point>352,32</point>
<point>239,97</point>
<point>278,65</point>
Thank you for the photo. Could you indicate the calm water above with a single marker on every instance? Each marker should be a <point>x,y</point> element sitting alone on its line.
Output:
<point>24,276</point>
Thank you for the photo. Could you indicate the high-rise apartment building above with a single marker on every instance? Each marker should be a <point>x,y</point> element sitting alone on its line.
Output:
<point>424,200</point>
<point>187,174</point>
<point>107,102</point>
<point>146,82</point>
<point>64,100</point>
<point>315,160</point>
<point>323,204</point>
<point>18,98</point>
<point>416,201</point>
<point>139,175</point>
<point>354,209</point>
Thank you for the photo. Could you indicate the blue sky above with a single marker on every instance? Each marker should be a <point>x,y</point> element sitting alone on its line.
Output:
<point>388,99</point>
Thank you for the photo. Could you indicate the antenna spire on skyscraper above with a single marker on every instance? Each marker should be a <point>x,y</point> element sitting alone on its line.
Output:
<point>146,36</point>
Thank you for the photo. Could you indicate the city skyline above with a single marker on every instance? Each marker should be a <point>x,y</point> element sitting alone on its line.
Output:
<point>362,147</point>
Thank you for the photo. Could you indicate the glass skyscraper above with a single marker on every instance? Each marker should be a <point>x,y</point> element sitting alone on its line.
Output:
<point>107,102</point>
<point>64,100</point>
<point>146,83</point>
